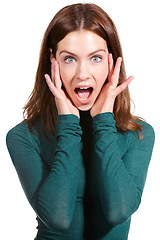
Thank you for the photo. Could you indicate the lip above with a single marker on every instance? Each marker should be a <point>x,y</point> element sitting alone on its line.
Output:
<point>87,100</point>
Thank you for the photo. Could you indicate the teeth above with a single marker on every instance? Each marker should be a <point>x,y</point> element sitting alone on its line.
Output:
<point>84,88</point>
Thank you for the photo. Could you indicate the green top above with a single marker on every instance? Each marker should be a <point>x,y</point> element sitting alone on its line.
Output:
<point>82,186</point>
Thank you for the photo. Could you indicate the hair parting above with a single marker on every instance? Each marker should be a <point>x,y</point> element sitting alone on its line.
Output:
<point>41,104</point>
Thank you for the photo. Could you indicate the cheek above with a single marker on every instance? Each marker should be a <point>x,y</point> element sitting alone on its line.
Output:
<point>104,70</point>
<point>102,76</point>
<point>65,76</point>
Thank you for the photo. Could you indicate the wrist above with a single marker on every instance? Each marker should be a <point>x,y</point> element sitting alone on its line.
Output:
<point>103,122</point>
<point>64,109</point>
<point>107,107</point>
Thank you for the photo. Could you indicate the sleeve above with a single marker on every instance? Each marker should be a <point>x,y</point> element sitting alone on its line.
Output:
<point>51,192</point>
<point>121,179</point>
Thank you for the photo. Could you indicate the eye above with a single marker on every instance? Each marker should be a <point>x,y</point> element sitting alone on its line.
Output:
<point>96,59</point>
<point>69,59</point>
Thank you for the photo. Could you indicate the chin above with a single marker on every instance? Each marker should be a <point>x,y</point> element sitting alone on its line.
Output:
<point>84,107</point>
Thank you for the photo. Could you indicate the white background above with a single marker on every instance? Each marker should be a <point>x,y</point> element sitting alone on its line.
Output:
<point>22,25</point>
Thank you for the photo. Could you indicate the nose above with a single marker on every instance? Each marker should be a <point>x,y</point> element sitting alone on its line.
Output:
<point>83,71</point>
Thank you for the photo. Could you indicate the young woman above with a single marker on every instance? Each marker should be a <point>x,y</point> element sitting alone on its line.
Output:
<point>81,156</point>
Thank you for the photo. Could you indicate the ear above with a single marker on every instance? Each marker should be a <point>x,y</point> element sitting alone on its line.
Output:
<point>51,54</point>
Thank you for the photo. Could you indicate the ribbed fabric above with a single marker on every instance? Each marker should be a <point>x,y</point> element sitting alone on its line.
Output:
<point>86,182</point>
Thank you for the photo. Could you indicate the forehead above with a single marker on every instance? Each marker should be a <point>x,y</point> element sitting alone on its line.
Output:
<point>82,40</point>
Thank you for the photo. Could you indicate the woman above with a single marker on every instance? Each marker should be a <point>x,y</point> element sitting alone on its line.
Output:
<point>81,156</point>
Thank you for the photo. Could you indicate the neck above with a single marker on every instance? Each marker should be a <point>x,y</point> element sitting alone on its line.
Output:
<point>85,120</point>
<point>86,125</point>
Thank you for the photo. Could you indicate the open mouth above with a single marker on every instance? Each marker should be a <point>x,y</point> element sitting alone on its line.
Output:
<point>83,93</point>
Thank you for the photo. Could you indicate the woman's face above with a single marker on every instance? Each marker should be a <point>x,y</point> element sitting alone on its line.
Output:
<point>83,61</point>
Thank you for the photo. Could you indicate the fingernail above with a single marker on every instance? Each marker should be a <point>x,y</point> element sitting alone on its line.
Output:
<point>53,60</point>
<point>111,55</point>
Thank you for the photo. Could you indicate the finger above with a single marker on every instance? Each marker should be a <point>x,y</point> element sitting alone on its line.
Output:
<point>110,66</point>
<point>57,79</point>
<point>124,85</point>
<point>52,69</point>
<point>51,86</point>
<point>116,71</point>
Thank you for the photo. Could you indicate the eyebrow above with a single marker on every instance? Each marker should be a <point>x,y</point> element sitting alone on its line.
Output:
<point>92,53</point>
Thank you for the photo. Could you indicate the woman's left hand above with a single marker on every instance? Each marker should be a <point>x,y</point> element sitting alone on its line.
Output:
<point>110,90</point>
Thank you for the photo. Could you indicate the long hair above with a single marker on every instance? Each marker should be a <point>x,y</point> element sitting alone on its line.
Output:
<point>41,104</point>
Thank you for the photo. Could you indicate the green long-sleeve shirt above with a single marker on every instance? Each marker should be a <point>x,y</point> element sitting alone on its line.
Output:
<point>85,182</point>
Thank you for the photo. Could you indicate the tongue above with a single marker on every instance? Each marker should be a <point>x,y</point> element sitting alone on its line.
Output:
<point>83,93</point>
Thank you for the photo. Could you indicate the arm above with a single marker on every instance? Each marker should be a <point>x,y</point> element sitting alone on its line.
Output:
<point>121,179</point>
<point>51,192</point>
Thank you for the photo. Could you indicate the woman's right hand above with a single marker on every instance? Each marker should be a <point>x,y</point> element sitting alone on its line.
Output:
<point>63,103</point>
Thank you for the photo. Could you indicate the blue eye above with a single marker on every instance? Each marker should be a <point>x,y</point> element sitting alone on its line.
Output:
<point>69,60</point>
<point>96,59</point>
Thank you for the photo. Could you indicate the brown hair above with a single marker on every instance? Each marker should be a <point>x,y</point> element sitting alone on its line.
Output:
<point>41,104</point>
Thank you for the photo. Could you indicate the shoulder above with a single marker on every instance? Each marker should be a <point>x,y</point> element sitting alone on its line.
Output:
<point>17,132</point>
<point>147,131</point>
<point>20,137</point>
<point>148,136</point>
